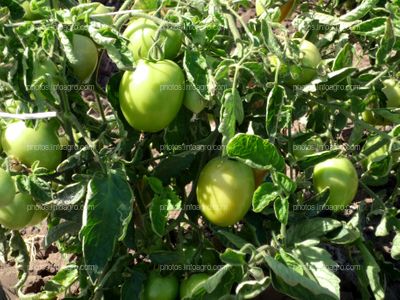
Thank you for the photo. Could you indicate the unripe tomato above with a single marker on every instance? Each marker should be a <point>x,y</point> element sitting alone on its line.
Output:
<point>85,52</point>
<point>43,67</point>
<point>225,190</point>
<point>311,146</point>
<point>161,288</point>
<point>7,188</point>
<point>392,92</point>
<point>152,95</point>
<point>341,177</point>
<point>189,284</point>
<point>38,216</point>
<point>310,58</point>
<point>102,9</point>
<point>29,145</point>
<point>142,32</point>
<point>193,100</point>
<point>18,213</point>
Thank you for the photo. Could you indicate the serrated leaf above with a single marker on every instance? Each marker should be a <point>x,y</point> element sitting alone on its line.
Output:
<point>107,212</point>
<point>275,100</point>
<point>255,152</point>
<point>264,195</point>
<point>311,229</point>
<point>294,285</point>
<point>281,209</point>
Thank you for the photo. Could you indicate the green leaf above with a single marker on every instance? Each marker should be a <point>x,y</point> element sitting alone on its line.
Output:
<point>133,286</point>
<point>264,195</point>
<point>395,251</point>
<point>315,205</point>
<point>107,212</point>
<point>287,185</point>
<point>255,152</point>
<point>373,27</point>
<point>275,101</point>
<point>159,212</point>
<point>294,285</point>
<point>311,229</point>
<point>386,44</point>
<point>281,208</point>
<point>312,160</point>
<point>195,66</point>
<point>372,270</point>
<point>344,235</point>
<point>269,38</point>
<point>112,41</point>
<point>227,125</point>
<point>344,58</point>
<point>233,257</point>
<point>233,238</point>
<point>360,11</point>
<point>250,289</point>
<point>320,264</point>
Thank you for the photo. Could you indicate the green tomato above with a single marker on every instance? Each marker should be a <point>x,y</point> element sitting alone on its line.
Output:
<point>7,188</point>
<point>152,95</point>
<point>193,100</point>
<point>374,119</point>
<point>310,58</point>
<point>38,216</point>
<point>85,52</point>
<point>189,285</point>
<point>311,146</point>
<point>341,177</point>
<point>141,34</point>
<point>18,213</point>
<point>392,92</point>
<point>29,145</point>
<point>43,67</point>
<point>161,288</point>
<point>102,9</point>
<point>225,190</point>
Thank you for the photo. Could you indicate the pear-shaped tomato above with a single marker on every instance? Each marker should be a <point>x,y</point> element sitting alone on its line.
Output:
<point>152,95</point>
<point>225,190</point>
<point>32,144</point>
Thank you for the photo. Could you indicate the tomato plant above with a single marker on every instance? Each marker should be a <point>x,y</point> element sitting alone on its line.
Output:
<point>212,149</point>
<point>32,144</point>
<point>152,95</point>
